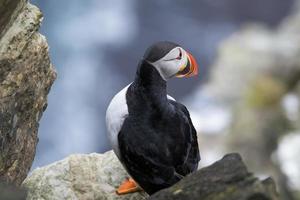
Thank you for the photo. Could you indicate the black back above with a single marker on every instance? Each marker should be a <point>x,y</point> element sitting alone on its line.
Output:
<point>157,141</point>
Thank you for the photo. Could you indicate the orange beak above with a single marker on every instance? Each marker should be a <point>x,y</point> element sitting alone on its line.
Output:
<point>189,69</point>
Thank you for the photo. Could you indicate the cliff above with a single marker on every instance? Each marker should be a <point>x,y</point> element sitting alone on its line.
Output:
<point>26,76</point>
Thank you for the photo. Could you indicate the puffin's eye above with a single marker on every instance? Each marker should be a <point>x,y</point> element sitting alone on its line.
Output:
<point>180,55</point>
<point>177,58</point>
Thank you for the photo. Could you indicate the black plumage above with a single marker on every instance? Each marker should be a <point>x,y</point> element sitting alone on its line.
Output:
<point>157,141</point>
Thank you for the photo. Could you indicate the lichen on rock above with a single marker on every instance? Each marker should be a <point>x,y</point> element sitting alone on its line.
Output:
<point>96,176</point>
<point>90,177</point>
<point>26,75</point>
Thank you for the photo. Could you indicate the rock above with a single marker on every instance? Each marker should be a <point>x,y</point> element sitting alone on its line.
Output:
<point>255,70</point>
<point>96,176</point>
<point>288,155</point>
<point>255,51</point>
<point>9,10</point>
<point>26,76</point>
<point>227,179</point>
<point>263,65</point>
<point>11,192</point>
<point>88,177</point>
<point>258,123</point>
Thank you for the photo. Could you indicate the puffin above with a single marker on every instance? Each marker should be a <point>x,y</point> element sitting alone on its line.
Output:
<point>151,133</point>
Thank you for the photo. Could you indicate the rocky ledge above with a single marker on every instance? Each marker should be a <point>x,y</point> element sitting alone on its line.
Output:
<point>227,179</point>
<point>96,176</point>
<point>87,177</point>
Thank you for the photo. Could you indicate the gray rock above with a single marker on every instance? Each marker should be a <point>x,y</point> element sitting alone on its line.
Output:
<point>96,176</point>
<point>11,192</point>
<point>9,10</point>
<point>253,52</point>
<point>258,123</point>
<point>26,76</point>
<point>227,179</point>
<point>255,70</point>
<point>82,177</point>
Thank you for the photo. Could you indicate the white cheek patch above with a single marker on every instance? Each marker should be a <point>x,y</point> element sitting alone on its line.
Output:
<point>168,66</point>
<point>174,53</point>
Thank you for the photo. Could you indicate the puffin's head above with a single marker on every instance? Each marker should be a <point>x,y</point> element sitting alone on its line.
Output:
<point>171,60</point>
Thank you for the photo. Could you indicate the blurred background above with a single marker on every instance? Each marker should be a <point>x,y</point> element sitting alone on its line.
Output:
<point>245,99</point>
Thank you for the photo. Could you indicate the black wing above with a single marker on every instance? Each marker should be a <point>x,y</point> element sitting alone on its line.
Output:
<point>157,155</point>
<point>193,157</point>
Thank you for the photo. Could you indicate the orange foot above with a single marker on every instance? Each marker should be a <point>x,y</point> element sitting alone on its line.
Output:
<point>128,186</point>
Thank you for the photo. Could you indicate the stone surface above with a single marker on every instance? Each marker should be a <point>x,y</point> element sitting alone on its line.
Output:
<point>11,192</point>
<point>288,155</point>
<point>96,176</point>
<point>227,179</point>
<point>256,70</point>
<point>254,52</point>
<point>9,10</point>
<point>26,76</point>
<point>265,70</point>
<point>82,177</point>
<point>259,122</point>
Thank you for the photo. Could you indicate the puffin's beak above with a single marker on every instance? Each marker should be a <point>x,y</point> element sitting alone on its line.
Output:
<point>189,69</point>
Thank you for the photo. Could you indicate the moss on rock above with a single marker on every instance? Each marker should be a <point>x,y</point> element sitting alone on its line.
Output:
<point>265,91</point>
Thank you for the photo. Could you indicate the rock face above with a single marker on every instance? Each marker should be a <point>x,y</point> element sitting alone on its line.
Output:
<point>96,176</point>
<point>9,10</point>
<point>11,192</point>
<point>86,177</point>
<point>26,76</point>
<point>256,71</point>
<point>227,179</point>
<point>254,52</point>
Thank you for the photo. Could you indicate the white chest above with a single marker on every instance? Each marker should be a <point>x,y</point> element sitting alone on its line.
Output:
<point>116,113</point>
<point>115,116</point>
